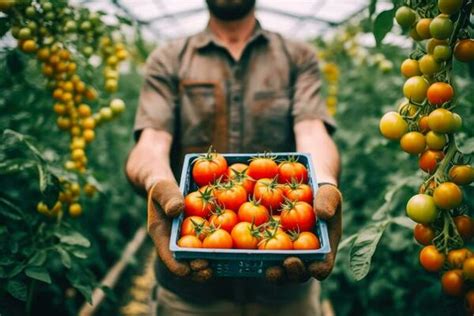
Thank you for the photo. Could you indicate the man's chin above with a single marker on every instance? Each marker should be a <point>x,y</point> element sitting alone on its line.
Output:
<point>230,10</point>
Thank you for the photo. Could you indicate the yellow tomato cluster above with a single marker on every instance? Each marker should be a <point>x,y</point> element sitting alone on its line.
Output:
<point>426,126</point>
<point>60,36</point>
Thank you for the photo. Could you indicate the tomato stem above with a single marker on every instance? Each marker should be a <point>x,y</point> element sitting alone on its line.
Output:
<point>441,172</point>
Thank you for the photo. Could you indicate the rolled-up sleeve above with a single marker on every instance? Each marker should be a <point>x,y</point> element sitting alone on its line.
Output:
<point>308,102</point>
<point>158,94</point>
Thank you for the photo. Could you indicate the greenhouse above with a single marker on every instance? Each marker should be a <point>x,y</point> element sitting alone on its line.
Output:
<point>236,157</point>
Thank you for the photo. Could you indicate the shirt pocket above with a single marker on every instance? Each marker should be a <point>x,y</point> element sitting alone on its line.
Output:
<point>197,112</point>
<point>271,115</point>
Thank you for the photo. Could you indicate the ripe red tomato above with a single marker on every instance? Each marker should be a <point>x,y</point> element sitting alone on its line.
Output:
<point>190,241</point>
<point>452,282</point>
<point>306,241</point>
<point>253,212</point>
<point>429,160</point>
<point>209,167</point>
<point>224,218</point>
<point>235,169</point>
<point>298,192</point>
<point>456,257</point>
<point>196,226</point>
<point>291,170</point>
<point>439,93</point>
<point>465,226</point>
<point>263,167</point>
<point>298,216</point>
<point>269,193</point>
<point>230,195</point>
<point>431,259</point>
<point>424,234</point>
<point>278,240</point>
<point>447,195</point>
<point>245,236</point>
<point>218,239</point>
<point>198,204</point>
<point>238,172</point>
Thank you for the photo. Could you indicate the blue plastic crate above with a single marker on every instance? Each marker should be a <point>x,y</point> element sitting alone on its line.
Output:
<point>245,262</point>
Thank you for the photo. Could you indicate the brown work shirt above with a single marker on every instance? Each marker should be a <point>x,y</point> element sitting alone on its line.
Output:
<point>198,92</point>
<point>195,90</point>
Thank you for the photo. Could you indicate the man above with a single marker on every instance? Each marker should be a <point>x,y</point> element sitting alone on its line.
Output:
<point>241,89</point>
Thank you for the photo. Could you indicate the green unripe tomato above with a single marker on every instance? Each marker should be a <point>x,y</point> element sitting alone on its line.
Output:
<point>421,208</point>
<point>442,53</point>
<point>441,27</point>
<point>449,7</point>
<point>415,88</point>
<point>428,65</point>
<point>405,17</point>
<point>24,33</point>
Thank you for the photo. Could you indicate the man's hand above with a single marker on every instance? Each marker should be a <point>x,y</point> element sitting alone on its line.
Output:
<point>327,205</point>
<point>164,202</point>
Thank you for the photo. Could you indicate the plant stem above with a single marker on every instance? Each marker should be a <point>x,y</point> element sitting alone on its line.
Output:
<point>29,301</point>
<point>443,167</point>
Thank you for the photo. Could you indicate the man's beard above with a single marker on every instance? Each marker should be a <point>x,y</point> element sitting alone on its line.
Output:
<point>230,10</point>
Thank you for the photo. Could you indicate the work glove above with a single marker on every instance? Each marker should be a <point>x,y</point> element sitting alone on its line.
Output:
<point>327,205</point>
<point>165,201</point>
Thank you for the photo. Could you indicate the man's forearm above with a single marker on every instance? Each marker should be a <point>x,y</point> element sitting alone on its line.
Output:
<point>311,137</point>
<point>149,161</point>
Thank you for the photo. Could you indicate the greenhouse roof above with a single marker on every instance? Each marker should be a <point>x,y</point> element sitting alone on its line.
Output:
<point>173,19</point>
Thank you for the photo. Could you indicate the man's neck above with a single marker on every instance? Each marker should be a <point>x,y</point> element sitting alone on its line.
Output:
<point>234,34</point>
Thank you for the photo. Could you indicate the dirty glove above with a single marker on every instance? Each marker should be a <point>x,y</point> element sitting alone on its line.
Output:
<point>164,202</point>
<point>327,205</point>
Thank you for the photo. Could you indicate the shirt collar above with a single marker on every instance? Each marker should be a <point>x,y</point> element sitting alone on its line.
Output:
<point>206,37</point>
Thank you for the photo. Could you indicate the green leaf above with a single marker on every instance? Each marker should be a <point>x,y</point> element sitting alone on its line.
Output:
<point>86,291</point>
<point>5,261</point>
<point>346,242</point>
<point>13,212</point>
<point>38,273</point>
<point>383,24</point>
<point>79,254</point>
<point>73,239</point>
<point>17,290</point>
<point>65,257</point>
<point>38,259</point>
<point>364,248</point>
<point>16,165</point>
<point>4,26</point>
<point>16,270</point>
<point>404,222</point>
<point>372,7</point>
